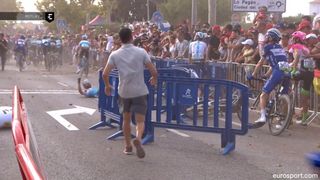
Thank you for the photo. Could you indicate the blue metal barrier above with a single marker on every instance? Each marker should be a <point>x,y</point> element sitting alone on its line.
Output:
<point>187,94</point>
<point>174,72</point>
<point>180,91</point>
<point>107,105</point>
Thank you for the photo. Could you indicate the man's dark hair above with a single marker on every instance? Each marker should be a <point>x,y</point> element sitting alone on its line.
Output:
<point>125,35</point>
<point>308,18</point>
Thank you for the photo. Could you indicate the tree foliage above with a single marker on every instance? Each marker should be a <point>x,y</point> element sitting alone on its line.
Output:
<point>177,10</point>
<point>74,12</point>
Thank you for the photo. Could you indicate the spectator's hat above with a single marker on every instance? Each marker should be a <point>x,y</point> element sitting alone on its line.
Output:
<point>248,42</point>
<point>216,28</point>
<point>311,36</point>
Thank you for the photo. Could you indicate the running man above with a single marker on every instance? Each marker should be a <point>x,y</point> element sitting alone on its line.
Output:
<point>130,62</point>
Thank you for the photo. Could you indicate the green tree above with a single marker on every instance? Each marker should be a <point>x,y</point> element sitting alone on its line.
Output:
<point>175,11</point>
<point>73,11</point>
<point>9,6</point>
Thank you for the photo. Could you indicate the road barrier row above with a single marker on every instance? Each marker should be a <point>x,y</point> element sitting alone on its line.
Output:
<point>24,141</point>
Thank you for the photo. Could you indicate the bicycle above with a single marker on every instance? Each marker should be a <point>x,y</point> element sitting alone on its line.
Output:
<point>84,66</point>
<point>52,62</point>
<point>20,60</point>
<point>278,110</point>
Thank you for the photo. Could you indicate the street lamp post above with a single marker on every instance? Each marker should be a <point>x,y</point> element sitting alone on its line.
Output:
<point>148,10</point>
<point>194,13</point>
<point>212,13</point>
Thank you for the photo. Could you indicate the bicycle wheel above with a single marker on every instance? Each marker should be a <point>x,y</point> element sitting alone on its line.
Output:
<point>50,63</point>
<point>280,115</point>
<point>20,62</point>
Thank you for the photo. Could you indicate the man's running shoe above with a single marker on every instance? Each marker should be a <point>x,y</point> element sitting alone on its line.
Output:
<point>140,151</point>
<point>128,150</point>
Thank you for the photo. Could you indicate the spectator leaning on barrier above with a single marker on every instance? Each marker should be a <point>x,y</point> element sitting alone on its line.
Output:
<point>214,43</point>
<point>247,53</point>
<point>182,46</point>
<point>304,67</point>
<point>130,62</point>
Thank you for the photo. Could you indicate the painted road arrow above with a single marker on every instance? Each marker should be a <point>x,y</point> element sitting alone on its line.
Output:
<point>57,115</point>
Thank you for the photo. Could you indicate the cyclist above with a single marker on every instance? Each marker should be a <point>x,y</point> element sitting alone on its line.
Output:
<point>305,67</point>
<point>83,49</point>
<point>21,48</point>
<point>45,45</point>
<point>273,53</point>
<point>59,49</point>
<point>88,91</point>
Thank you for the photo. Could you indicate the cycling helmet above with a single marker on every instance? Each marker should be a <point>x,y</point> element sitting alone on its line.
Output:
<point>300,35</point>
<point>84,36</point>
<point>199,35</point>
<point>22,37</point>
<point>275,34</point>
<point>86,83</point>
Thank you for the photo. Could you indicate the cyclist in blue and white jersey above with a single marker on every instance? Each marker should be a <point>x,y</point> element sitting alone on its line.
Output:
<point>83,49</point>
<point>59,49</point>
<point>45,45</point>
<point>84,46</point>
<point>197,54</point>
<point>21,46</point>
<point>273,54</point>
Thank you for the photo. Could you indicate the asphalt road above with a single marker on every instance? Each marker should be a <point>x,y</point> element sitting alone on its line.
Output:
<point>86,154</point>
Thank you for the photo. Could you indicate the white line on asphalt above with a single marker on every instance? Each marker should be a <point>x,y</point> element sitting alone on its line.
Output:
<point>44,76</point>
<point>62,84</point>
<point>178,133</point>
<point>53,92</point>
<point>234,123</point>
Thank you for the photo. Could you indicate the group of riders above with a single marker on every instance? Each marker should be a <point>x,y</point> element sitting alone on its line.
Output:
<point>48,50</point>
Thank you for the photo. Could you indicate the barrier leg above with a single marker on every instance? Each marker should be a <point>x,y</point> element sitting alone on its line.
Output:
<point>231,144</point>
<point>223,140</point>
<point>149,136</point>
<point>119,133</point>
<point>104,123</point>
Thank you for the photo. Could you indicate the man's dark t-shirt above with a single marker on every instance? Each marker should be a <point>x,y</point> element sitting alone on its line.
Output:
<point>3,46</point>
<point>214,42</point>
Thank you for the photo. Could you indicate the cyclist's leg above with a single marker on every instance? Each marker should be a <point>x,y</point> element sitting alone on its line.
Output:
<point>269,86</point>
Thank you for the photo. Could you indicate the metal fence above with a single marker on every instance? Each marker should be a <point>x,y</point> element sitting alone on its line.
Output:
<point>238,73</point>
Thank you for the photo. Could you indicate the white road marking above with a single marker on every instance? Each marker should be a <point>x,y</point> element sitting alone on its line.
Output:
<point>48,92</point>
<point>57,115</point>
<point>178,133</point>
<point>44,76</point>
<point>62,84</point>
<point>234,123</point>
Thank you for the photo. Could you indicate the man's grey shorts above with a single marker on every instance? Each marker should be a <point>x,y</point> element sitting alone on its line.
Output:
<point>134,105</point>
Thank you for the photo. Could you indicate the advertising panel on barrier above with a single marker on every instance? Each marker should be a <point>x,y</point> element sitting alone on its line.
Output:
<point>187,94</point>
<point>5,116</point>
